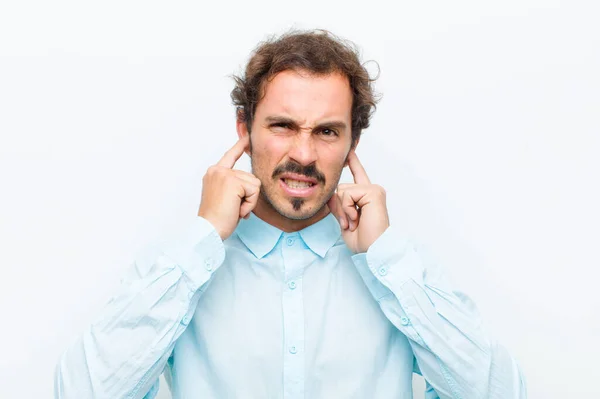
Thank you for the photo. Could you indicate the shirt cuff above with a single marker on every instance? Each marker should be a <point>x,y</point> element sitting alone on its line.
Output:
<point>198,251</point>
<point>392,259</point>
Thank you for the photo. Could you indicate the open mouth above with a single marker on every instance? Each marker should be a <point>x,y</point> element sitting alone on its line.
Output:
<point>297,183</point>
<point>297,188</point>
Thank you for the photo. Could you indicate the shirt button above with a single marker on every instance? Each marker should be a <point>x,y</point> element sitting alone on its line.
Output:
<point>290,241</point>
<point>191,294</point>
<point>292,285</point>
<point>293,350</point>
<point>208,264</point>
<point>186,320</point>
<point>404,320</point>
<point>382,271</point>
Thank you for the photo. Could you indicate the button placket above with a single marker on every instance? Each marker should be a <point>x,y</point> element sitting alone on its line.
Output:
<point>293,318</point>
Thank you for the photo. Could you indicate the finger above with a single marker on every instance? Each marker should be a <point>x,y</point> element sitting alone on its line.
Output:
<point>238,172</point>
<point>358,171</point>
<point>336,208</point>
<point>247,208</point>
<point>247,177</point>
<point>234,153</point>
<point>250,198</point>
<point>348,201</point>
<point>344,186</point>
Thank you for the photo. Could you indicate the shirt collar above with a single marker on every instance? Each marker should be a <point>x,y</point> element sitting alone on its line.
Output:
<point>261,237</point>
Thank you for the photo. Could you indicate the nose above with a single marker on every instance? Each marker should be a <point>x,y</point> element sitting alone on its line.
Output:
<point>303,149</point>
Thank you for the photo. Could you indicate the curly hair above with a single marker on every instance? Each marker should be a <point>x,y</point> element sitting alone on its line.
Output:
<point>318,52</point>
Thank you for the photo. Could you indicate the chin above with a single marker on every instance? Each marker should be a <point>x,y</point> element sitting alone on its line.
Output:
<point>287,208</point>
<point>297,215</point>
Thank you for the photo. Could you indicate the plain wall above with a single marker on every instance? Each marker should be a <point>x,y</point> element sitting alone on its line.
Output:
<point>486,140</point>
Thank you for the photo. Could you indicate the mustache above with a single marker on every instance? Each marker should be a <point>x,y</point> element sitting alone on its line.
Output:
<point>293,167</point>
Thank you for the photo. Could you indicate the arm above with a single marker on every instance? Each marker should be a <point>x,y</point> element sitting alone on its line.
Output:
<point>122,354</point>
<point>453,353</point>
<point>429,392</point>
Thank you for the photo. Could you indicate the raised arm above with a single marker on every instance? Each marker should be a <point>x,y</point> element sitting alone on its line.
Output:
<point>122,354</point>
<point>454,354</point>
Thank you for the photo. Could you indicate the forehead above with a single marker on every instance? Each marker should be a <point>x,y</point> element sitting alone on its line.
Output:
<point>306,98</point>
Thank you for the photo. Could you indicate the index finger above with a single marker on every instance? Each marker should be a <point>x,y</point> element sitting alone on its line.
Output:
<point>234,153</point>
<point>358,171</point>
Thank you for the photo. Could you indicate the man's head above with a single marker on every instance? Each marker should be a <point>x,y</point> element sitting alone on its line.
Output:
<point>304,99</point>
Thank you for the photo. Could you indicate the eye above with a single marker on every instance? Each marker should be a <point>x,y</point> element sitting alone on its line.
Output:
<point>280,126</point>
<point>328,132</point>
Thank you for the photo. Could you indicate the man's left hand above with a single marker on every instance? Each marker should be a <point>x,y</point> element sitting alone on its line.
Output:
<point>360,208</point>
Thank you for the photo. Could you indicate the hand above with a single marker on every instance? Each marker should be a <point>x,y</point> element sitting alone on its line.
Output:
<point>228,194</point>
<point>360,208</point>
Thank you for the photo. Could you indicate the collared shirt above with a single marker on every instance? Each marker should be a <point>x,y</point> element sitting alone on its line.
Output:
<point>269,314</point>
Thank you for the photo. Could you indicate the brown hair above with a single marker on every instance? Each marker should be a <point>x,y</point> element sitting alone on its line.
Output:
<point>318,52</point>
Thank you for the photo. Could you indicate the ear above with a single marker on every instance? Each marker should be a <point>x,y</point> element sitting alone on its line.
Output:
<point>242,131</point>
<point>352,148</point>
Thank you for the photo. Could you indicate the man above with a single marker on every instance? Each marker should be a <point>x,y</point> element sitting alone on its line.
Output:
<point>288,285</point>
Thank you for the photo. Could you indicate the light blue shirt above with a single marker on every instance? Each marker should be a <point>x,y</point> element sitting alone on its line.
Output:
<point>268,314</point>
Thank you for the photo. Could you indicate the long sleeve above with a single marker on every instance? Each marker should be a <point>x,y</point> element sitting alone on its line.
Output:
<point>452,351</point>
<point>122,354</point>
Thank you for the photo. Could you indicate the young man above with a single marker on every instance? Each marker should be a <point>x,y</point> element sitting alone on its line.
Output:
<point>288,285</point>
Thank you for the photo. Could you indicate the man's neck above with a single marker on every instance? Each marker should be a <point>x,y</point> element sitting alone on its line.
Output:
<point>267,213</point>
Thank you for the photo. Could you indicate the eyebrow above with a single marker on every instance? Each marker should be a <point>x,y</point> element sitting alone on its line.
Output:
<point>272,120</point>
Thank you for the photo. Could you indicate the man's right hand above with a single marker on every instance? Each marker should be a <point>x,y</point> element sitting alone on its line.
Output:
<point>228,194</point>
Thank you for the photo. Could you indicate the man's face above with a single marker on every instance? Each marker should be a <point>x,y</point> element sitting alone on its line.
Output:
<point>300,139</point>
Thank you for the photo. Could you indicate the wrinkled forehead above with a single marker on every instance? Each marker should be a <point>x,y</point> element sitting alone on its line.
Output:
<point>306,98</point>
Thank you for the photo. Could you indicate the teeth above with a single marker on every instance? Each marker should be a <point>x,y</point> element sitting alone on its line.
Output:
<point>297,184</point>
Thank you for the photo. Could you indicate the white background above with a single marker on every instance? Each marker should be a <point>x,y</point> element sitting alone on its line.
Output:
<point>487,141</point>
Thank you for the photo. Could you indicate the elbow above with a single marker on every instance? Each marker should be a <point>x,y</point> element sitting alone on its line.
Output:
<point>506,378</point>
<point>72,377</point>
